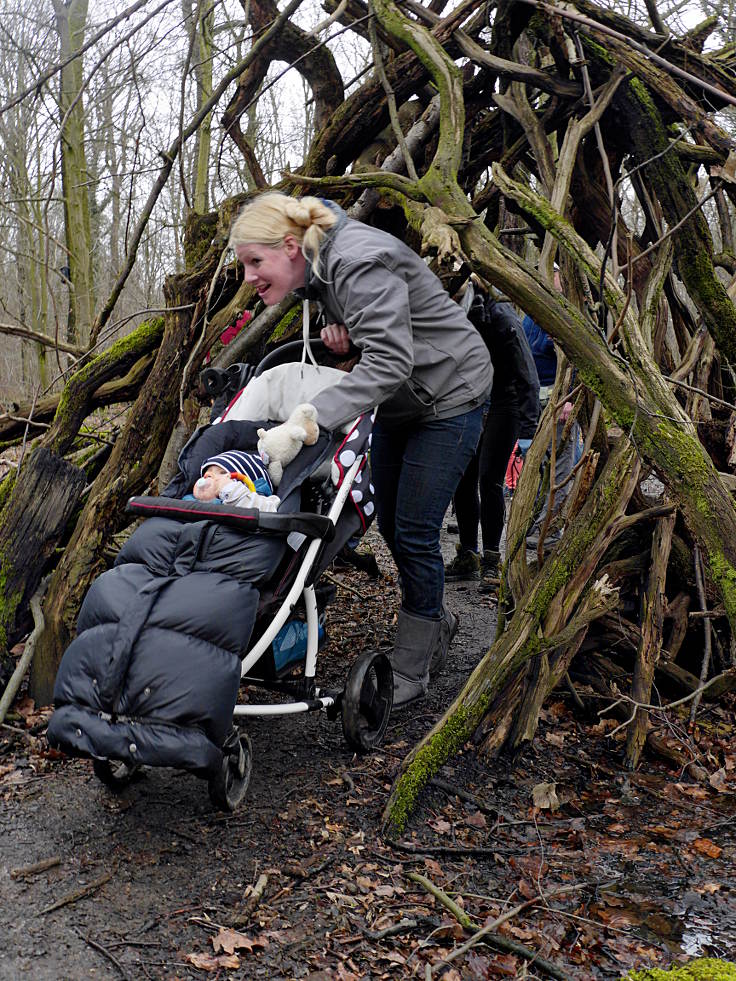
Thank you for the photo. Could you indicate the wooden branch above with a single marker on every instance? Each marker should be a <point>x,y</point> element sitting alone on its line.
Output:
<point>26,657</point>
<point>513,70</point>
<point>627,41</point>
<point>77,894</point>
<point>707,630</point>
<point>446,76</point>
<point>648,652</point>
<point>374,178</point>
<point>43,866</point>
<point>486,935</point>
<point>391,101</point>
<point>43,339</point>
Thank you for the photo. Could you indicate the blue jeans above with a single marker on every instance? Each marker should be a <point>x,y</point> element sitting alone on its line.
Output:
<point>415,471</point>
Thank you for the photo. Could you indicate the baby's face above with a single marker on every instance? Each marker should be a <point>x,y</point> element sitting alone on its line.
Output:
<point>210,484</point>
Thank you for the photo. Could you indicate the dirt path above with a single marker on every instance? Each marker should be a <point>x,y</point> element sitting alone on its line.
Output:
<point>158,885</point>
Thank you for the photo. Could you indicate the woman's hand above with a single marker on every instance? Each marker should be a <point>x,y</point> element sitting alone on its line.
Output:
<point>336,338</point>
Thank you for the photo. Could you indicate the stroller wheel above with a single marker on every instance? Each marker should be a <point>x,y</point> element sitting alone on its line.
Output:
<point>115,774</point>
<point>367,701</point>
<point>227,787</point>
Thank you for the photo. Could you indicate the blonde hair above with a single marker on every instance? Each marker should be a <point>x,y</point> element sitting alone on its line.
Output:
<point>272,216</point>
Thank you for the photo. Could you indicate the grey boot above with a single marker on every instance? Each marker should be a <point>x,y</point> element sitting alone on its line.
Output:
<point>416,639</point>
<point>448,629</point>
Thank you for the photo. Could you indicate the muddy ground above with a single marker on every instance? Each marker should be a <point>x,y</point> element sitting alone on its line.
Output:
<point>153,883</point>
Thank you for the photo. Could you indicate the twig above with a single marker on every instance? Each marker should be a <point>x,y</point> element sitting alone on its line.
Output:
<point>450,850</point>
<point>339,582</point>
<point>28,651</point>
<point>72,897</point>
<point>105,953</point>
<point>509,915</point>
<point>485,933</point>
<point>42,866</point>
<point>457,911</point>
<point>253,900</point>
<point>391,931</point>
<point>707,627</point>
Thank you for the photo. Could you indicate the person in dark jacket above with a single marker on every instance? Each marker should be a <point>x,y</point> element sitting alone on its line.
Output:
<point>422,363</point>
<point>512,416</point>
<point>566,454</point>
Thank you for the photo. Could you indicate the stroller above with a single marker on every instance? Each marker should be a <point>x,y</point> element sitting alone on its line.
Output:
<point>200,596</point>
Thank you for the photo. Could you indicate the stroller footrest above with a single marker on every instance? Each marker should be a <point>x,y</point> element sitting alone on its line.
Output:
<point>249,520</point>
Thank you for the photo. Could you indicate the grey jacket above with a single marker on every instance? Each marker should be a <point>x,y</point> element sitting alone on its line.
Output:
<point>410,333</point>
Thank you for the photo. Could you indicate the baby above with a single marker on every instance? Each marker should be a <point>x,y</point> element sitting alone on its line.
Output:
<point>238,478</point>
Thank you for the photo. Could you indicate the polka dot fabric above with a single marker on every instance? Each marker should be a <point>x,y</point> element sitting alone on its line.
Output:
<point>356,443</point>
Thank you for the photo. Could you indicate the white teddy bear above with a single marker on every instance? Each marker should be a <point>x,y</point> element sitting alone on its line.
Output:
<point>279,446</point>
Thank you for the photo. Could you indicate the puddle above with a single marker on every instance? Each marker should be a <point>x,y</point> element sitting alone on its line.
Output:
<point>686,922</point>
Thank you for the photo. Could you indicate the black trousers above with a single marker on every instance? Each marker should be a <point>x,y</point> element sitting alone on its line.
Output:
<point>479,496</point>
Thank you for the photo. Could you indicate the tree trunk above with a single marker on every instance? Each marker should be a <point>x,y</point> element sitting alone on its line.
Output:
<point>71,18</point>
<point>40,505</point>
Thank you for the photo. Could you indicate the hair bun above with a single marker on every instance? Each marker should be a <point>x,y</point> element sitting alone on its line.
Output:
<point>300,212</point>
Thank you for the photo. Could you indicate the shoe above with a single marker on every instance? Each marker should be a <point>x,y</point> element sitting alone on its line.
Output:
<point>448,629</point>
<point>364,561</point>
<point>490,567</point>
<point>415,643</point>
<point>465,565</point>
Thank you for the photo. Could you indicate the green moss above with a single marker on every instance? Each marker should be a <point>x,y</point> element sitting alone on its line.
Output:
<point>430,757</point>
<point>6,489</point>
<point>143,338</point>
<point>9,602</point>
<point>703,969</point>
<point>284,326</point>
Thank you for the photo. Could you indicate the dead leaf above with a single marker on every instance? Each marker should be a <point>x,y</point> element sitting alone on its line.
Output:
<point>526,889</point>
<point>434,868</point>
<point>555,738</point>
<point>707,847</point>
<point>449,931</point>
<point>717,781</point>
<point>231,940</point>
<point>692,790</point>
<point>476,820</point>
<point>545,796</point>
<point>206,962</point>
<point>341,899</point>
<point>441,826</point>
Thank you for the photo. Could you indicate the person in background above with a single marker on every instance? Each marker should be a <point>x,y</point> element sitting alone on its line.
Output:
<point>545,359</point>
<point>422,363</point>
<point>512,416</point>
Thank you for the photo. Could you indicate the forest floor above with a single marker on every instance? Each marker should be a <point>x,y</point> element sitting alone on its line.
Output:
<point>630,870</point>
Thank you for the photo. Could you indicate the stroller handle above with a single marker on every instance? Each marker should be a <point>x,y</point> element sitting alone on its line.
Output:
<point>248,520</point>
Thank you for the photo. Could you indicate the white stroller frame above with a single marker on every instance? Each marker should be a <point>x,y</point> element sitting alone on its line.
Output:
<point>297,590</point>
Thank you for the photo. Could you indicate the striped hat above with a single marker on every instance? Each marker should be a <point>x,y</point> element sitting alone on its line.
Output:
<point>240,462</point>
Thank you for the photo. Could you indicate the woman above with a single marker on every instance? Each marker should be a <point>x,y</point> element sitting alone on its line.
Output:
<point>422,363</point>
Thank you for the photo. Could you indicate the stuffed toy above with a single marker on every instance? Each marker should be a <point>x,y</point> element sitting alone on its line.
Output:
<point>279,446</point>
